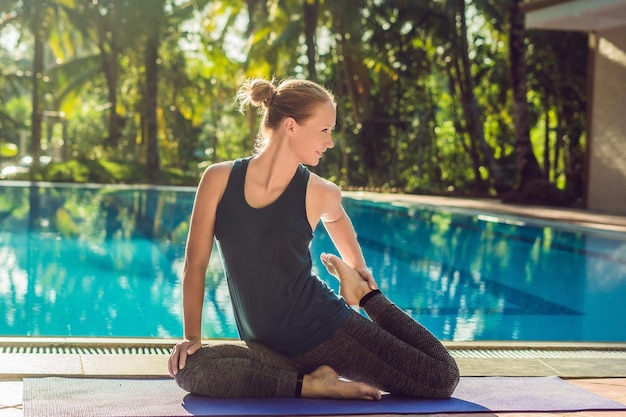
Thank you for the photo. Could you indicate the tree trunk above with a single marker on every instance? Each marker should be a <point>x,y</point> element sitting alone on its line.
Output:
<point>37,73</point>
<point>547,166</point>
<point>109,52</point>
<point>109,63</point>
<point>527,166</point>
<point>311,9</point>
<point>151,96</point>
<point>464,128</point>
<point>470,106</point>
<point>573,108</point>
<point>257,12</point>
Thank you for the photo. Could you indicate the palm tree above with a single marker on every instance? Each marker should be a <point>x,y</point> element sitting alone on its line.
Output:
<point>34,17</point>
<point>104,23</point>
<point>311,10</point>
<point>527,166</point>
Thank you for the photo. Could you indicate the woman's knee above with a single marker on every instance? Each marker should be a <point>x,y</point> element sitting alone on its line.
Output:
<point>204,370</point>
<point>192,376</point>
<point>438,382</point>
<point>185,380</point>
<point>450,380</point>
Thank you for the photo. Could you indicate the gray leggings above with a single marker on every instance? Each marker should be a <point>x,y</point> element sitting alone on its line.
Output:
<point>393,353</point>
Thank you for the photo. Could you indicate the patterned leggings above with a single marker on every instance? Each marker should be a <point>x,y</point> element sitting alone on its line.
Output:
<point>393,353</point>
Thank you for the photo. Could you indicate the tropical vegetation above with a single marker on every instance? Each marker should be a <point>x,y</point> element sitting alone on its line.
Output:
<point>434,96</point>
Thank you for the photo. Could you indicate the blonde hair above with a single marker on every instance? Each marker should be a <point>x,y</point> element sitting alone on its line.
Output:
<point>290,98</point>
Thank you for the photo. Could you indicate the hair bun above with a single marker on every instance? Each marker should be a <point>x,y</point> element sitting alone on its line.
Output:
<point>256,92</point>
<point>261,92</point>
<point>270,96</point>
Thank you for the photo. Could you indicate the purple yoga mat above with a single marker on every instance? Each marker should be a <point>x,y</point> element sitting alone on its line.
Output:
<point>56,396</point>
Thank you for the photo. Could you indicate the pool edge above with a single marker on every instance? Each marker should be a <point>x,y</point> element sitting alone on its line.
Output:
<point>22,357</point>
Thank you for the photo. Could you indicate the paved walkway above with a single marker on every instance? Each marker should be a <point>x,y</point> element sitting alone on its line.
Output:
<point>574,217</point>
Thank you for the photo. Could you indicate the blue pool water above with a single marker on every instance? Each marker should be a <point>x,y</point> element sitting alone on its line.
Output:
<point>107,261</point>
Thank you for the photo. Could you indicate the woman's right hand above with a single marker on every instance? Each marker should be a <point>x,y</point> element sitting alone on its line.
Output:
<point>197,256</point>
<point>178,357</point>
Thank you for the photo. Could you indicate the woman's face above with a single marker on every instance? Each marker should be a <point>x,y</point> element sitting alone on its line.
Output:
<point>313,136</point>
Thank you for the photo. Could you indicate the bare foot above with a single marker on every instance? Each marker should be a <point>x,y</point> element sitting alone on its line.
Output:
<point>352,286</point>
<point>324,383</point>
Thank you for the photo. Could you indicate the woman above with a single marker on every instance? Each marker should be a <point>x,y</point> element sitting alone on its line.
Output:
<point>300,337</point>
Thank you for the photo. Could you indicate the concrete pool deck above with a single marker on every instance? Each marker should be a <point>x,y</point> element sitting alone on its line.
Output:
<point>574,217</point>
<point>598,367</point>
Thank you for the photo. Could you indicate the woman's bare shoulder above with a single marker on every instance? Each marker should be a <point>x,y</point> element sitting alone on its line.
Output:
<point>323,187</point>
<point>218,169</point>
<point>323,199</point>
<point>215,177</point>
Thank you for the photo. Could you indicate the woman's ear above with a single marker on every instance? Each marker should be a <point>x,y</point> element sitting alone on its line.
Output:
<point>289,124</point>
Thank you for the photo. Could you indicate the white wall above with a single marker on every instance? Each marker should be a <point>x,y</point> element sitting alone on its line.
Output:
<point>606,190</point>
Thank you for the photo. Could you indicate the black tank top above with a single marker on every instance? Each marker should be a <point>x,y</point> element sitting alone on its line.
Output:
<point>276,299</point>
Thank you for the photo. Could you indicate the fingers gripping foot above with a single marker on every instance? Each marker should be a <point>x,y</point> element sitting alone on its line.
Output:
<point>352,286</point>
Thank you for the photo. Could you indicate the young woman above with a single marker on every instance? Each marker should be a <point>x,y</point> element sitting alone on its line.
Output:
<point>300,336</point>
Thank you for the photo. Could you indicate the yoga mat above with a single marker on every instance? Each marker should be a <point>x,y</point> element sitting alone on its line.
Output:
<point>55,396</point>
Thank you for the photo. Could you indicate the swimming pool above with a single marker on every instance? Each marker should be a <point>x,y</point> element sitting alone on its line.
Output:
<point>107,262</point>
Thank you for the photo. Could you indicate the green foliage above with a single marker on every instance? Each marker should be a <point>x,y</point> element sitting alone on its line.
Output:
<point>96,171</point>
<point>176,176</point>
<point>110,172</point>
<point>419,109</point>
<point>70,171</point>
<point>8,150</point>
<point>14,117</point>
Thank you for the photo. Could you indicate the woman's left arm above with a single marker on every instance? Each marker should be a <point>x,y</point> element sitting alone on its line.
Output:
<point>341,231</point>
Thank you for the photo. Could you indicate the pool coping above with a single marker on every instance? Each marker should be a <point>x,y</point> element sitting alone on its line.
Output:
<point>600,221</point>
<point>153,341</point>
<point>28,357</point>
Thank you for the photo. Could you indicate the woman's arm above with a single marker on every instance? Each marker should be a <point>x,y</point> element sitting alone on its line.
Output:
<point>340,228</point>
<point>197,255</point>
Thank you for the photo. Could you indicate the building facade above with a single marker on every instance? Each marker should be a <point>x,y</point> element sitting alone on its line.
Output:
<point>605,21</point>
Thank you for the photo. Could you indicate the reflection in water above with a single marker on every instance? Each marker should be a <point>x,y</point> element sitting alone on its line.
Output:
<point>96,261</point>
<point>107,261</point>
<point>482,277</point>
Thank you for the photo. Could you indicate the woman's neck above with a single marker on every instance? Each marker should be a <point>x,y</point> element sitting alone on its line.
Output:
<point>274,166</point>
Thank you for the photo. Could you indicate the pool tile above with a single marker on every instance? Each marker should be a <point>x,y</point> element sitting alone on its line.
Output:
<point>503,367</point>
<point>13,364</point>
<point>597,368</point>
<point>11,399</point>
<point>125,365</point>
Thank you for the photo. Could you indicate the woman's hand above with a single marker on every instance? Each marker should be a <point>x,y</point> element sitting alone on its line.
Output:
<point>178,357</point>
<point>366,274</point>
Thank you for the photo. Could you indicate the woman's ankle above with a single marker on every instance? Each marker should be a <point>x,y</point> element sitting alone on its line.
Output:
<point>367,297</point>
